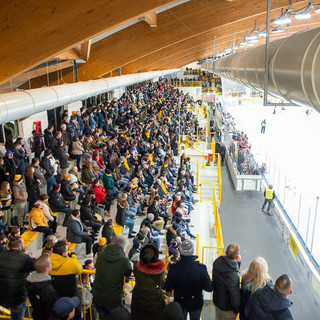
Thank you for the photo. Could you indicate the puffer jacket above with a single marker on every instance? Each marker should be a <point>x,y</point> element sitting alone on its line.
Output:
<point>226,284</point>
<point>108,286</point>
<point>36,218</point>
<point>267,304</point>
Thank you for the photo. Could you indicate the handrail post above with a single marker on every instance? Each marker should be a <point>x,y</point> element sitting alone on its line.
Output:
<point>198,175</point>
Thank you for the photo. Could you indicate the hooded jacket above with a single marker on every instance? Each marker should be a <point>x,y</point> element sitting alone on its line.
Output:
<point>267,304</point>
<point>147,297</point>
<point>108,286</point>
<point>42,295</point>
<point>225,281</point>
<point>64,271</point>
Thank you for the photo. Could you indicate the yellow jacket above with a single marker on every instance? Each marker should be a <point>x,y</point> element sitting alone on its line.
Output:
<point>163,187</point>
<point>65,265</point>
<point>36,218</point>
<point>125,163</point>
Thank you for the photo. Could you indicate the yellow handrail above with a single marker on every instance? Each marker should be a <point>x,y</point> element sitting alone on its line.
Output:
<point>198,175</point>
<point>219,175</point>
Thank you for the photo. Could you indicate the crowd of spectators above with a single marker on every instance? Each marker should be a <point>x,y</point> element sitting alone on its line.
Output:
<point>114,158</point>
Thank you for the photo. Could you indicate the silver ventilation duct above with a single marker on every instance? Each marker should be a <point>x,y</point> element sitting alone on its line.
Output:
<point>21,104</point>
<point>294,68</point>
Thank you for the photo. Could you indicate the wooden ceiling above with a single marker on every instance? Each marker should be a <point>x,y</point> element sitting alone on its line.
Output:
<point>34,33</point>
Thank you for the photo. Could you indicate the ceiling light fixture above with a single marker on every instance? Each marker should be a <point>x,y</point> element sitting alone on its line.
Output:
<point>277,29</point>
<point>285,17</point>
<point>306,13</point>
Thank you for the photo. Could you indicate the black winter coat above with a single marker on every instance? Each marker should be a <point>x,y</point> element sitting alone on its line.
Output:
<point>38,145</point>
<point>10,167</point>
<point>108,233</point>
<point>188,278</point>
<point>42,296</point>
<point>48,136</point>
<point>46,165</point>
<point>32,189</point>
<point>56,201</point>
<point>66,191</point>
<point>225,281</point>
<point>121,216</point>
<point>268,304</point>
<point>61,155</point>
<point>86,213</point>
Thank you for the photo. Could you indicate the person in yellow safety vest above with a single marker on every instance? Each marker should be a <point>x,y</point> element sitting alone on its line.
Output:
<point>268,198</point>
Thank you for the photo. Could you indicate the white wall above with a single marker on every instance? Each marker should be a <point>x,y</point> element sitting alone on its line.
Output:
<point>26,125</point>
<point>74,106</point>
<point>117,93</point>
<point>195,92</point>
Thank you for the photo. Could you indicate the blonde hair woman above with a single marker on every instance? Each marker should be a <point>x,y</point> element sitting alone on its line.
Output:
<point>254,278</point>
<point>6,200</point>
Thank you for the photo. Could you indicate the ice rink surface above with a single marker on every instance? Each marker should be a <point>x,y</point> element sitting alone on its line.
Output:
<point>290,148</point>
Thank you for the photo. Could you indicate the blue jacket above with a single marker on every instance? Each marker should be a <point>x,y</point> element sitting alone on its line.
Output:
<point>92,122</point>
<point>188,278</point>
<point>268,304</point>
<point>81,124</point>
<point>101,120</point>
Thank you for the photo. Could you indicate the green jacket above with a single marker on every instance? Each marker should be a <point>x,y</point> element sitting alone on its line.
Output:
<point>111,268</point>
<point>87,174</point>
<point>108,182</point>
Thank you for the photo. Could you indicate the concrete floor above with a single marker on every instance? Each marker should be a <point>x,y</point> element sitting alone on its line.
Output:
<point>258,235</point>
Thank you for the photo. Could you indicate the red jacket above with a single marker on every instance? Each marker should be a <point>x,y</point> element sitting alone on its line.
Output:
<point>99,191</point>
<point>173,209</point>
<point>99,160</point>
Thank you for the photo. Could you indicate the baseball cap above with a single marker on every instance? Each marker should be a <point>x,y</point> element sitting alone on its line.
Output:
<point>64,306</point>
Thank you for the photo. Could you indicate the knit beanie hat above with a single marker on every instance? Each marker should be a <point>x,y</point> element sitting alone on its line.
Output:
<point>18,177</point>
<point>173,311</point>
<point>56,187</point>
<point>151,217</point>
<point>102,241</point>
<point>186,248</point>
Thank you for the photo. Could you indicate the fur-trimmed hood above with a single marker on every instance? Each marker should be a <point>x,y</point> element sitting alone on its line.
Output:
<point>151,268</point>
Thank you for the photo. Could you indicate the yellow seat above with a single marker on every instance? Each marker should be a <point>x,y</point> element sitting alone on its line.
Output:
<point>26,243</point>
<point>117,229</point>
<point>54,214</point>
<point>29,235</point>
<point>71,247</point>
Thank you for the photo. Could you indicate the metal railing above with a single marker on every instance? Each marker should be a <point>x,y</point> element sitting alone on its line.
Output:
<point>186,83</point>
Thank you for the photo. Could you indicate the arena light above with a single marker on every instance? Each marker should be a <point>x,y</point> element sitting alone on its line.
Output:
<point>306,13</point>
<point>285,17</point>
